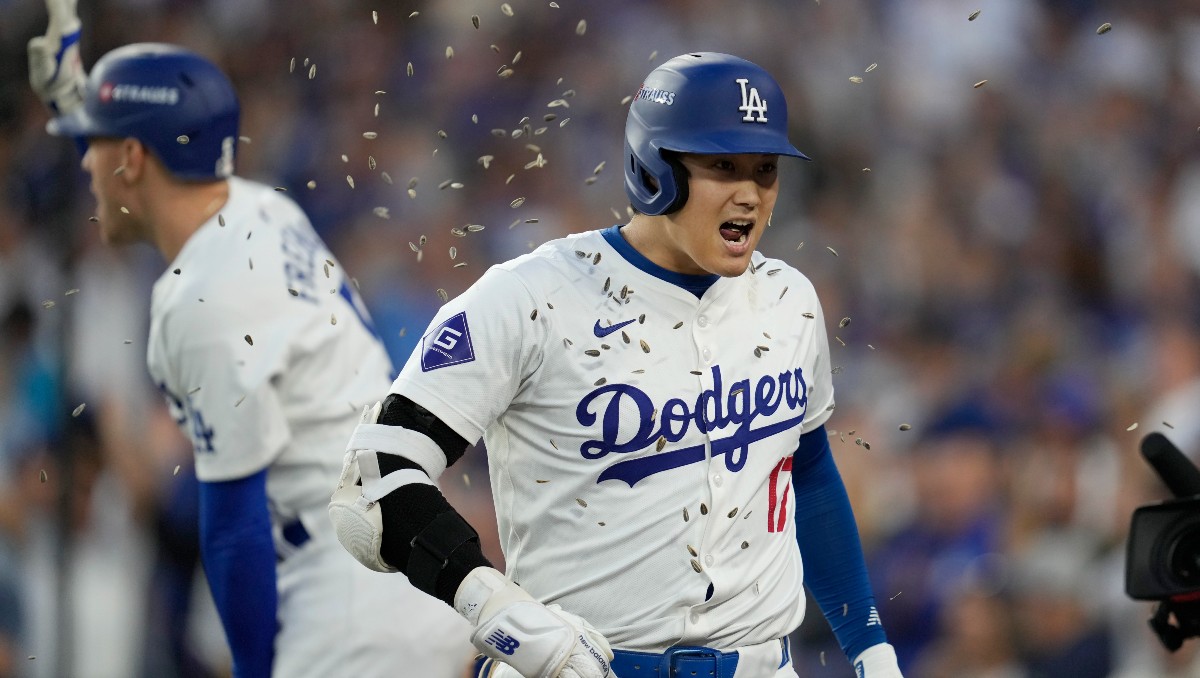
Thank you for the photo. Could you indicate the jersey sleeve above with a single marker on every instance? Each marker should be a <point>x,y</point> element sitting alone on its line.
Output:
<point>224,360</point>
<point>477,354</point>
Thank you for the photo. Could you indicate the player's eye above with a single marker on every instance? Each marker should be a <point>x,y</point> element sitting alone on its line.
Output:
<point>723,164</point>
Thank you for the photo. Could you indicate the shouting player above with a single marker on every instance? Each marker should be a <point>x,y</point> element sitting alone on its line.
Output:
<point>652,397</point>
<point>264,353</point>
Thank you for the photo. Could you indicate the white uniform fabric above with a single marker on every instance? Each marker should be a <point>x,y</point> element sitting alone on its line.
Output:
<point>591,509</point>
<point>266,357</point>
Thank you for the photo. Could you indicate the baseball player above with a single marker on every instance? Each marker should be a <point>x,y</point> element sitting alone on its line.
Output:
<point>652,397</point>
<point>264,352</point>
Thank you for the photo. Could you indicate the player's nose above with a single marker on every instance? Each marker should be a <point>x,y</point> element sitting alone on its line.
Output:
<point>746,194</point>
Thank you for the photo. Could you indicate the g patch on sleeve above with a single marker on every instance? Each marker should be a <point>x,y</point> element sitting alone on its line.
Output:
<point>448,344</point>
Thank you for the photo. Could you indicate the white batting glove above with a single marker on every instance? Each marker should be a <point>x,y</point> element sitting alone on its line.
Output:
<point>877,661</point>
<point>55,71</point>
<point>536,640</point>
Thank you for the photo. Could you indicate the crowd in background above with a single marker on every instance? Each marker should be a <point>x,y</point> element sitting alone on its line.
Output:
<point>1002,219</point>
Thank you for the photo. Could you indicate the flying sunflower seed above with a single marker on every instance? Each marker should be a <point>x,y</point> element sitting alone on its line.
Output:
<point>443,295</point>
<point>332,319</point>
<point>695,565</point>
<point>506,9</point>
<point>979,84</point>
<point>249,340</point>
<point>600,382</point>
<point>678,325</point>
<point>733,512</point>
<point>581,27</point>
<point>843,322</point>
<point>905,427</point>
<point>292,65</point>
<point>533,316</point>
<point>692,550</point>
<point>78,410</point>
<point>1132,426</point>
<point>581,502</point>
<point>662,442</point>
<point>42,475</point>
<point>374,17</point>
<point>685,514</point>
<point>592,352</point>
<point>644,345</point>
<point>517,203</point>
<point>624,337</point>
<point>350,180</point>
<point>1104,28</point>
<point>182,139</point>
<point>808,315</point>
<point>974,15</point>
<point>783,292</point>
<point>312,71</point>
<point>703,509</point>
<point>410,69</point>
<point>757,352</point>
<point>856,80</point>
<point>871,68</point>
<point>475,21</point>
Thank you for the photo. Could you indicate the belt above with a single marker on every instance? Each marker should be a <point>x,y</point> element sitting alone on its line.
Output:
<point>683,661</point>
<point>295,534</point>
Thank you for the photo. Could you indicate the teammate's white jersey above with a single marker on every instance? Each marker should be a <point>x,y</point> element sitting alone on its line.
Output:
<point>266,356</point>
<point>639,438</point>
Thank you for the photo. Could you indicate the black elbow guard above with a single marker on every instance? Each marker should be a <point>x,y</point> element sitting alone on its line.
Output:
<point>425,537</point>
<point>400,411</point>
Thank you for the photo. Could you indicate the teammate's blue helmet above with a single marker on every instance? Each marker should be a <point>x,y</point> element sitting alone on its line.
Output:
<point>176,102</point>
<point>704,102</point>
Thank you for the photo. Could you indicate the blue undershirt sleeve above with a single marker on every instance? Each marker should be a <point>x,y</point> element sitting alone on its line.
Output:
<point>239,559</point>
<point>834,568</point>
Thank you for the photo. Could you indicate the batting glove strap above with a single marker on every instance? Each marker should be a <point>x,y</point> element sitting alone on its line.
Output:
<point>538,641</point>
<point>877,661</point>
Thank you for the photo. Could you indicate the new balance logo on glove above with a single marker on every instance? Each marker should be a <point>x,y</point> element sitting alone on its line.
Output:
<point>503,642</point>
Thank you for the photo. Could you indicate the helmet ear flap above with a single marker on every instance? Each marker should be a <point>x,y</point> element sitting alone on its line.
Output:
<point>679,175</point>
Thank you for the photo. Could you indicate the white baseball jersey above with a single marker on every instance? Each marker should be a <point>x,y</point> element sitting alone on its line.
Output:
<point>639,438</point>
<point>267,356</point>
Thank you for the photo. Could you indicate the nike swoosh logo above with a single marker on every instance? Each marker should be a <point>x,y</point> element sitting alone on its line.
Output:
<point>602,332</point>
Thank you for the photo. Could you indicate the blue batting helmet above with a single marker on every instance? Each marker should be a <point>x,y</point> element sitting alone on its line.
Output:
<point>176,102</point>
<point>704,102</point>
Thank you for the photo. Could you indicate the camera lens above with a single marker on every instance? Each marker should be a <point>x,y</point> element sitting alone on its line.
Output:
<point>1184,556</point>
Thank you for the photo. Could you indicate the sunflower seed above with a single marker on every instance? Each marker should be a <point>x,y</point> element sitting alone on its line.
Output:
<point>692,550</point>
<point>517,203</point>
<point>249,340</point>
<point>808,315</point>
<point>332,319</point>
<point>596,259</point>
<point>905,427</point>
<point>856,80</point>
<point>600,382</point>
<point>475,21</point>
<point>581,27</point>
<point>733,512</point>
<point>685,514</point>
<point>678,325</point>
<point>506,9</point>
<point>592,352</point>
<point>78,410</point>
<point>783,292</point>
<point>645,346</point>
<point>703,509</point>
<point>581,502</point>
<point>695,565</point>
<point>443,295</point>
<point>42,475</point>
<point>844,322</point>
<point>662,442</point>
<point>979,84</point>
<point>1104,28</point>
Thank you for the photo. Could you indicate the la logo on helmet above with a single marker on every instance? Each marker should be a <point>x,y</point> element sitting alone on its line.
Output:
<point>752,103</point>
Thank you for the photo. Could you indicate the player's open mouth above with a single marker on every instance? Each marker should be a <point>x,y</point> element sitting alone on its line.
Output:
<point>736,231</point>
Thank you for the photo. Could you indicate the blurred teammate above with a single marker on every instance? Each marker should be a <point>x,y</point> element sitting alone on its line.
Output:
<point>264,353</point>
<point>652,397</point>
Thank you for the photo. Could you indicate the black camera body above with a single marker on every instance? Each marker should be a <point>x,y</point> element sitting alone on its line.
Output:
<point>1162,558</point>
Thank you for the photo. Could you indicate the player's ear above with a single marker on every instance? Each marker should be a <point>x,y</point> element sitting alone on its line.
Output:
<point>134,157</point>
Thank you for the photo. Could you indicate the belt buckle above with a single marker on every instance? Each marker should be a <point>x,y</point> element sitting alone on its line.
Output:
<point>667,668</point>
